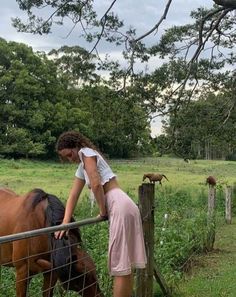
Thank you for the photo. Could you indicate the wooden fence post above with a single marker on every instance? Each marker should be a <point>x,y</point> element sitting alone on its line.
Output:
<point>228,204</point>
<point>211,218</point>
<point>144,280</point>
<point>144,287</point>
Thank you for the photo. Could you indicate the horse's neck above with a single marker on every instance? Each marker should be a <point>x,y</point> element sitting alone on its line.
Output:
<point>8,192</point>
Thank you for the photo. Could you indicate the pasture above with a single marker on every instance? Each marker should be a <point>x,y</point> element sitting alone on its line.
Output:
<point>56,178</point>
<point>180,210</point>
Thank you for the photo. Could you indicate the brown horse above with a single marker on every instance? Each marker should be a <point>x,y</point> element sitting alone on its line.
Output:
<point>68,262</point>
<point>154,177</point>
<point>211,181</point>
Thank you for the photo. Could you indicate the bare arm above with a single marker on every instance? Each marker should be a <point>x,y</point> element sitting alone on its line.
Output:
<point>90,165</point>
<point>72,200</point>
<point>74,194</point>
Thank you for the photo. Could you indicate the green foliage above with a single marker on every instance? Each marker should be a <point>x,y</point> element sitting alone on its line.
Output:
<point>41,98</point>
<point>195,58</point>
<point>231,157</point>
<point>196,131</point>
<point>17,142</point>
<point>74,64</point>
<point>118,125</point>
<point>180,223</point>
<point>181,228</point>
<point>29,91</point>
<point>77,12</point>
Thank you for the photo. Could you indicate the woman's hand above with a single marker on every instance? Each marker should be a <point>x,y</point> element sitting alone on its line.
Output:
<point>60,234</point>
<point>104,217</point>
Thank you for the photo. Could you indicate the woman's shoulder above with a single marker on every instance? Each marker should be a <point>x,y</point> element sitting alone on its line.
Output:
<point>88,152</point>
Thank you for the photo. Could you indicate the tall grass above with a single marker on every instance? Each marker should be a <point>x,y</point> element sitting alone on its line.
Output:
<point>180,204</point>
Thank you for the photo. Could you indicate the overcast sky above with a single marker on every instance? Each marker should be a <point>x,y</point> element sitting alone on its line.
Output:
<point>140,14</point>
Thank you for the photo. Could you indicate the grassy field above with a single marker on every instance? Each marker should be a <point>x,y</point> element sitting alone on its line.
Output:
<point>213,275</point>
<point>56,178</point>
<point>183,198</point>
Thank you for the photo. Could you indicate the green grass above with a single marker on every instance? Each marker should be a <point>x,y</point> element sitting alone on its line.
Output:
<point>214,273</point>
<point>184,198</point>
<point>23,175</point>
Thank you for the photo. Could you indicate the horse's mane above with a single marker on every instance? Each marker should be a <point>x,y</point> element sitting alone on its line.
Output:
<point>62,249</point>
<point>39,195</point>
<point>55,209</point>
<point>55,214</point>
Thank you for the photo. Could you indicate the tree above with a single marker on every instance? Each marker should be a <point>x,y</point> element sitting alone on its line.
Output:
<point>206,52</point>
<point>34,109</point>
<point>75,65</point>
<point>118,126</point>
<point>41,98</point>
<point>199,132</point>
<point>185,46</point>
<point>108,27</point>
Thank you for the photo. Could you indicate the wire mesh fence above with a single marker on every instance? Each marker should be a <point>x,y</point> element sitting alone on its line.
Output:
<point>34,263</point>
<point>66,269</point>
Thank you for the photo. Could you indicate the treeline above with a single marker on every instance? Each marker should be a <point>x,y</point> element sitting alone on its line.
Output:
<point>43,95</point>
<point>201,130</point>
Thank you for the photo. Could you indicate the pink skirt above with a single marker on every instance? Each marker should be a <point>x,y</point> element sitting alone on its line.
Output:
<point>126,242</point>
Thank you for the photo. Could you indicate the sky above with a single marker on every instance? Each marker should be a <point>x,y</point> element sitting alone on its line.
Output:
<point>140,14</point>
<point>143,16</point>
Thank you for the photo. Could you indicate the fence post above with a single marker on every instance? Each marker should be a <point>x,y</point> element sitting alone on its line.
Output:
<point>146,206</point>
<point>228,204</point>
<point>211,218</point>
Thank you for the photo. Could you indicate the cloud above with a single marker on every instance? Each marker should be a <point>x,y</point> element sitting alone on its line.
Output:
<point>142,15</point>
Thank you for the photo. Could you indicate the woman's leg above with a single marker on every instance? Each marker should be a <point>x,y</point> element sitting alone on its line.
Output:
<point>123,286</point>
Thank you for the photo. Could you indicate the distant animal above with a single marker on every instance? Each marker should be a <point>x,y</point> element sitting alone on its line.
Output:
<point>71,265</point>
<point>186,160</point>
<point>154,177</point>
<point>211,181</point>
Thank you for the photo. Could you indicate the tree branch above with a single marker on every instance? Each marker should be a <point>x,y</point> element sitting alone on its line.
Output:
<point>103,23</point>
<point>157,25</point>
<point>226,3</point>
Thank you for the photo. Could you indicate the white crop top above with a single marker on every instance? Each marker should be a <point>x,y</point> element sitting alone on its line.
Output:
<point>104,169</point>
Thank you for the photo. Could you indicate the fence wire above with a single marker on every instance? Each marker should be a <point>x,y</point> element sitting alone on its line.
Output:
<point>78,273</point>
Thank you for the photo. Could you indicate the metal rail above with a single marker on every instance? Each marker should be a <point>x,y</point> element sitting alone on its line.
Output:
<point>46,230</point>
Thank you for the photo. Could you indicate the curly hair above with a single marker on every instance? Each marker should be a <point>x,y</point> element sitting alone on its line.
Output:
<point>73,139</point>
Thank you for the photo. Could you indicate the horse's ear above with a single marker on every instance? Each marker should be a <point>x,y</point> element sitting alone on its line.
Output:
<point>44,264</point>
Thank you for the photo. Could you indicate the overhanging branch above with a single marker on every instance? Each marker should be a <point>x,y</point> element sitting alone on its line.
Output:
<point>157,25</point>
<point>226,3</point>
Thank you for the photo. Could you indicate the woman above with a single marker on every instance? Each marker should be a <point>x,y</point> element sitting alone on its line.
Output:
<point>126,244</point>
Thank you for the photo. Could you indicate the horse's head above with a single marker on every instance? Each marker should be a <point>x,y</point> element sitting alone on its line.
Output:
<point>144,177</point>
<point>75,268</point>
